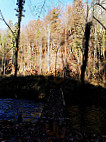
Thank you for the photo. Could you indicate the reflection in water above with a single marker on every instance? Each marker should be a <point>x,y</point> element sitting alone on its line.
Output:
<point>10,109</point>
<point>95,118</point>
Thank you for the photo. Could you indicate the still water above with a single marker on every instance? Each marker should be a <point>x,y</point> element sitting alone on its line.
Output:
<point>10,109</point>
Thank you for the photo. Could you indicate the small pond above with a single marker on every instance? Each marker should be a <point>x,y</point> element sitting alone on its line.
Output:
<point>10,109</point>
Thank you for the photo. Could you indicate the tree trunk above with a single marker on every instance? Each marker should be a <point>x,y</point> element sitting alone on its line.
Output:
<point>85,46</point>
<point>20,9</point>
<point>4,65</point>
<point>56,63</point>
<point>95,49</point>
<point>48,49</point>
<point>41,57</point>
<point>17,46</point>
<point>65,47</point>
<point>13,60</point>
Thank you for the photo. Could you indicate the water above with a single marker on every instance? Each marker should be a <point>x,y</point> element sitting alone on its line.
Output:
<point>10,109</point>
<point>95,118</point>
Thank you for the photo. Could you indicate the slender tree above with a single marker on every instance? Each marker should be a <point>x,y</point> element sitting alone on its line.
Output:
<point>48,47</point>
<point>19,10</point>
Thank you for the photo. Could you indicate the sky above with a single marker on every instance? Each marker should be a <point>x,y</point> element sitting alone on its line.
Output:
<point>32,7</point>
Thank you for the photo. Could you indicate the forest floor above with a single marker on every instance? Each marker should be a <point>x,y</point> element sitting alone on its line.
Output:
<point>86,100</point>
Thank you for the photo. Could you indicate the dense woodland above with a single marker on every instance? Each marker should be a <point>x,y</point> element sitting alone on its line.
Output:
<point>55,44</point>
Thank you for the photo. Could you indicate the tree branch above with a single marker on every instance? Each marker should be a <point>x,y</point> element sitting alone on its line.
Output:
<point>99,22</point>
<point>8,51</point>
<point>2,18</point>
<point>42,7</point>
<point>100,5</point>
